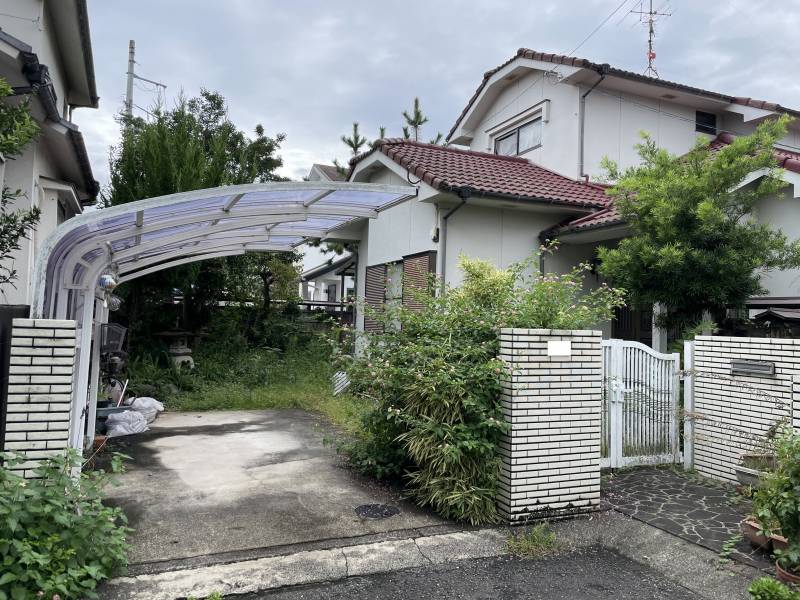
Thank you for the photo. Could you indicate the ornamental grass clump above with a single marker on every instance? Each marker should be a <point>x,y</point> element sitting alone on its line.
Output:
<point>434,380</point>
<point>57,539</point>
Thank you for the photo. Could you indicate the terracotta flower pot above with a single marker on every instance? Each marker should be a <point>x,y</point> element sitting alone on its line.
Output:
<point>753,533</point>
<point>779,542</point>
<point>785,576</point>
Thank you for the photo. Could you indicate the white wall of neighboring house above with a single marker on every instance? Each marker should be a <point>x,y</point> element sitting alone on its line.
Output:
<point>782,212</point>
<point>47,173</point>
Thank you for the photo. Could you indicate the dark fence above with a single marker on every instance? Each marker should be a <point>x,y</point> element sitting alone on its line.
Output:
<point>8,313</point>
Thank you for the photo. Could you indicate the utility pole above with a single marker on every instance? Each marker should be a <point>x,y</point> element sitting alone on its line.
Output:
<point>128,109</point>
<point>649,17</point>
<point>129,89</point>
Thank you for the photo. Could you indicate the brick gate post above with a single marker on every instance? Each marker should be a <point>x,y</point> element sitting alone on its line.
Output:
<point>552,399</point>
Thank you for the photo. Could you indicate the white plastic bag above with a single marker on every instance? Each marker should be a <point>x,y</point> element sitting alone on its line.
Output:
<point>127,422</point>
<point>149,407</point>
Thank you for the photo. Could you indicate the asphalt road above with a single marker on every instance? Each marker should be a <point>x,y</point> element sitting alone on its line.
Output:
<point>588,575</point>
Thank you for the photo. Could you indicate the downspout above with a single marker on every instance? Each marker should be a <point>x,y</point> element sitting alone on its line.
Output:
<point>582,119</point>
<point>463,193</point>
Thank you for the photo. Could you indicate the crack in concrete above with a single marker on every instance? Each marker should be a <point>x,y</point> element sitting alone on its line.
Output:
<point>422,554</point>
<point>346,563</point>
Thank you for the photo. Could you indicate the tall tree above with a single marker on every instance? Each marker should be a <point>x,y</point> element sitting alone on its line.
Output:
<point>192,146</point>
<point>696,245</point>
<point>381,136</point>
<point>356,141</point>
<point>17,130</point>
<point>415,119</point>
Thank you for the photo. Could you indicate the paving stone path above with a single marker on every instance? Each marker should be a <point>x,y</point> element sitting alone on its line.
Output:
<point>702,512</point>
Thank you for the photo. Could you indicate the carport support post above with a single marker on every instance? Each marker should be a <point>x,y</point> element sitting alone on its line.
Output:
<point>101,317</point>
<point>80,384</point>
<point>551,398</point>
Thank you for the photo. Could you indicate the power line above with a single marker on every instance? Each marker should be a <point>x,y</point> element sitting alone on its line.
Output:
<point>554,70</point>
<point>596,29</point>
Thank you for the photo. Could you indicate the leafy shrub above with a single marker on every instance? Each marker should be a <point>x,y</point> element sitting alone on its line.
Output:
<point>766,588</point>
<point>57,539</point>
<point>778,501</point>
<point>434,380</point>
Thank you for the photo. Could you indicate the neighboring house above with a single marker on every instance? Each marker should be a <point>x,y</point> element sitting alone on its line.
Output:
<point>46,51</point>
<point>325,173</point>
<point>325,278</point>
<point>332,281</point>
<point>535,132</point>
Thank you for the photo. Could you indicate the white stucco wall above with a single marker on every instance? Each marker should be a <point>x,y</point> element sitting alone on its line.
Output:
<point>559,136</point>
<point>614,121</point>
<point>501,236</point>
<point>782,213</point>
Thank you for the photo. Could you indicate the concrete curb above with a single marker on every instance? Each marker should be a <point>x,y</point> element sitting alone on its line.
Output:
<point>307,567</point>
<point>693,567</point>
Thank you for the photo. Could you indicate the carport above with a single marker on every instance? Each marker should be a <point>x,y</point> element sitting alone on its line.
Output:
<point>142,237</point>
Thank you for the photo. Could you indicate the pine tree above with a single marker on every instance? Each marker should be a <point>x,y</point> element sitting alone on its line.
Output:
<point>414,121</point>
<point>381,136</point>
<point>356,141</point>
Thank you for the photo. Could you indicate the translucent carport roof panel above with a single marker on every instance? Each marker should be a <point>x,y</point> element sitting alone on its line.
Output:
<point>184,221</point>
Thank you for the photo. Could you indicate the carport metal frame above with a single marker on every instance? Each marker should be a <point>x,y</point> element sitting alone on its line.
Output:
<point>226,230</point>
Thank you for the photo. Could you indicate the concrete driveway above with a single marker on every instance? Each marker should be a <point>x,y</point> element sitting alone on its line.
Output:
<point>211,484</point>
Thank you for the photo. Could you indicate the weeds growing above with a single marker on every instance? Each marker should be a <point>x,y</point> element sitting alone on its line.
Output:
<point>536,542</point>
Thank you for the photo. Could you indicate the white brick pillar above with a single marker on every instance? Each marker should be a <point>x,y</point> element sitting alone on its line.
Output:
<point>39,389</point>
<point>552,399</point>
<point>796,404</point>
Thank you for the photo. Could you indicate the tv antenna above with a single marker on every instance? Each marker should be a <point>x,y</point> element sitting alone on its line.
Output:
<point>649,18</point>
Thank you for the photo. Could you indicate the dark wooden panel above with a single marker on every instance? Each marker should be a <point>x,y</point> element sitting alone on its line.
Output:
<point>417,271</point>
<point>374,295</point>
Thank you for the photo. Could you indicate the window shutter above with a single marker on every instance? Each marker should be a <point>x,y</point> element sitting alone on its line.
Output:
<point>374,295</point>
<point>417,270</point>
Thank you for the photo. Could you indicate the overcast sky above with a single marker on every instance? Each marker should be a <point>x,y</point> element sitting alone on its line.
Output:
<point>308,68</point>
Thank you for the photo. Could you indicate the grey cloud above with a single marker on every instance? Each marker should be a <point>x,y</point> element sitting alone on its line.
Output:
<point>309,68</point>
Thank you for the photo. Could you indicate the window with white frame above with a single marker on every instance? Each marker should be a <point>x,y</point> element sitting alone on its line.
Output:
<point>520,139</point>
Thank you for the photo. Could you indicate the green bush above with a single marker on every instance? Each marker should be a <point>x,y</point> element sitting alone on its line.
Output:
<point>57,539</point>
<point>434,379</point>
<point>766,588</point>
<point>778,500</point>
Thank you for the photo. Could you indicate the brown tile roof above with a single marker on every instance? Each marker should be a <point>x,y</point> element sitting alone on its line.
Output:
<point>787,159</point>
<point>602,218</point>
<point>452,169</point>
<point>560,59</point>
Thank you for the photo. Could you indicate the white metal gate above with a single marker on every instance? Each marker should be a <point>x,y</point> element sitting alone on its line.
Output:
<point>641,388</point>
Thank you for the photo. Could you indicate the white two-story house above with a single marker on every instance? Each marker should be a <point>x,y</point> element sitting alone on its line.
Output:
<point>521,165</point>
<point>46,53</point>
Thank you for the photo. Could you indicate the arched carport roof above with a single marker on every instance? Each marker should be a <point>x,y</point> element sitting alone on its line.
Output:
<point>158,233</point>
<point>154,234</point>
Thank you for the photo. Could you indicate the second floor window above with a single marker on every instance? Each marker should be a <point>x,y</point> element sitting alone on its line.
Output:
<point>520,139</point>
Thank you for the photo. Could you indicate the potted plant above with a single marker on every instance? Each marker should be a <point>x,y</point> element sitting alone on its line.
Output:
<point>753,532</point>
<point>777,505</point>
